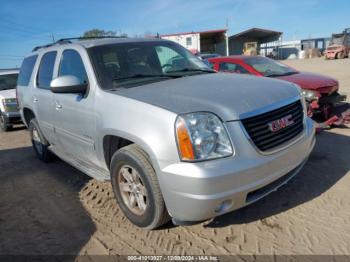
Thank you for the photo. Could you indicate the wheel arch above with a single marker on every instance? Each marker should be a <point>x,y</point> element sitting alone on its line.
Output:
<point>28,115</point>
<point>112,142</point>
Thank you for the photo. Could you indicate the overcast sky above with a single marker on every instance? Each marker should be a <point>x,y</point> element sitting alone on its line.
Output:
<point>27,23</point>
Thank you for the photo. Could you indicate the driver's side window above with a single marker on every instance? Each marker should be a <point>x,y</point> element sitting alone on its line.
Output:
<point>169,59</point>
<point>72,64</point>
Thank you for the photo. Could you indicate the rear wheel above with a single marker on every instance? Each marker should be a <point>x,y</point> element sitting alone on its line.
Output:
<point>40,144</point>
<point>136,188</point>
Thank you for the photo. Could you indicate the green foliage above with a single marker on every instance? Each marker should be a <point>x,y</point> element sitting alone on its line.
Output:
<point>101,33</point>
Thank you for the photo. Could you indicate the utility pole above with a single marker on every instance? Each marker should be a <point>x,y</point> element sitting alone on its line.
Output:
<point>226,38</point>
<point>53,38</point>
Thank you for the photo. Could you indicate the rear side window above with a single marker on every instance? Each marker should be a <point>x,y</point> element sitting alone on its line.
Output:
<point>26,70</point>
<point>45,72</point>
<point>71,64</point>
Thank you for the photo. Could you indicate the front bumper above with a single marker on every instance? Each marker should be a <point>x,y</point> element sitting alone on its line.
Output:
<point>331,54</point>
<point>200,191</point>
<point>12,117</point>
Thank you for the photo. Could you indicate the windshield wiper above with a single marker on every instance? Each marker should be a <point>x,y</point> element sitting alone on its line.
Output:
<point>192,70</point>
<point>142,76</point>
<point>284,74</point>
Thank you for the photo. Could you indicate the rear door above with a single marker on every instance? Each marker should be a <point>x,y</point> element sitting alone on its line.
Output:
<point>75,119</point>
<point>42,97</point>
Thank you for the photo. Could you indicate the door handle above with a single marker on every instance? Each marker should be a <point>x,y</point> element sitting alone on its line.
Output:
<point>35,99</point>
<point>58,106</point>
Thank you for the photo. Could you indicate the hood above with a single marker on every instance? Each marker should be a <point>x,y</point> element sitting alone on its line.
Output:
<point>311,81</point>
<point>227,95</point>
<point>11,93</point>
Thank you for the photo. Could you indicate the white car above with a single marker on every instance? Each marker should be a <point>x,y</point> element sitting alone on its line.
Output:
<point>9,113</point>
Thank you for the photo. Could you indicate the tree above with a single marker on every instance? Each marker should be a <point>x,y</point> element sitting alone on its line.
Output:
<point>100,33</point>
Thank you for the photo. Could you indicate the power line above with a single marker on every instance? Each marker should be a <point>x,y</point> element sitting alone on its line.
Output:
<point>12,59</point>
<point>25,26</point>
<point>11,55</point>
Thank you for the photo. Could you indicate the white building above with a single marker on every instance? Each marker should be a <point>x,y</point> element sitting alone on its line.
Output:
<point>213,41</point>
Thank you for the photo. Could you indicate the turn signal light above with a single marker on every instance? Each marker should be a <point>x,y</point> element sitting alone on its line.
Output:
<point>184,141</point>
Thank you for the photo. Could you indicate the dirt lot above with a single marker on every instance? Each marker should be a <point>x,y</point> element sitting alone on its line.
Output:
<point>55,209</point>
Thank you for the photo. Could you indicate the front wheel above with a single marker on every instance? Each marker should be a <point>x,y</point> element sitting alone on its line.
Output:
<point>340,55</point>
<point>4,126</point>
<point>136,188</point>
<point>40,144</point>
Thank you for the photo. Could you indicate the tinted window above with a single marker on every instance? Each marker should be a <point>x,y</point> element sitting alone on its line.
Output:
<point>26,70</point>
<point>8,81</point>
<point>45,73</point>
<point>233,68</point>
<point>132,64</point>
<point>71,64</point>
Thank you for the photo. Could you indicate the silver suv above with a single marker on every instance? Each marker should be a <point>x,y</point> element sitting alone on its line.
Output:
<point>176,139</point>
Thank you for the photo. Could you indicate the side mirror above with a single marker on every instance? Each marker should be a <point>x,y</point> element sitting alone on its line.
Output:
<point>68,85</point>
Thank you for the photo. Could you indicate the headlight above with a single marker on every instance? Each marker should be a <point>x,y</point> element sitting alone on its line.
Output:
<point>9,101</point>
<point>10,104</point>
<point>201,136</point>
<point>309,95</point>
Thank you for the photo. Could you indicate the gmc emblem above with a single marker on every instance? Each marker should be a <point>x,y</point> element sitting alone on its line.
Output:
<point>281,123</point>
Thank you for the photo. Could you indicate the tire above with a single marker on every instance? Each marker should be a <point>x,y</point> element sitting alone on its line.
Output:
<point>147,210</point>
<point>39,142</point>
<point>340,55</point>
<point>4,125</point>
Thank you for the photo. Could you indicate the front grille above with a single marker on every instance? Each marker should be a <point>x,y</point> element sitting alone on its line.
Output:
<point>258,129</point>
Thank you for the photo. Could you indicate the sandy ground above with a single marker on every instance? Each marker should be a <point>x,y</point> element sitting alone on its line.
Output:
<point>55,209</point>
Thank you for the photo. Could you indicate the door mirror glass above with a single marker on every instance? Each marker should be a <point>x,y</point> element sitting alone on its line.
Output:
<point>68,84</point>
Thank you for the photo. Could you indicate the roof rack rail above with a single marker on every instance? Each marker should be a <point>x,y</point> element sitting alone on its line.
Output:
<point>68,40</point>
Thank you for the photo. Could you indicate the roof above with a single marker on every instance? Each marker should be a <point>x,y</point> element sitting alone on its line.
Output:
<point>96,42</point>
<point>87,43</point>
<point>233,57</point>
<point>9,71</point>
<point>257,33</point>
<point>197,32</point>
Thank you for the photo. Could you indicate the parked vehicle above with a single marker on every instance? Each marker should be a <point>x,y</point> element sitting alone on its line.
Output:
<point>9,112</point>
<point>174,137</point>
<point>339,47</point>
<point>205,56</point>
<point>321,92</point>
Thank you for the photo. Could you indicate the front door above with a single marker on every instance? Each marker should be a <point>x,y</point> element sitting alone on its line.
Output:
<point>75,119</point>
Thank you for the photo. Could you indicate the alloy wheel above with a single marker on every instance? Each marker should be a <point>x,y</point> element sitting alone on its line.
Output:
<point>133,190</point>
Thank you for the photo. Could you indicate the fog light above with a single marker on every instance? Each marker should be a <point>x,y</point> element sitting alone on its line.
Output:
<point>224,206</point>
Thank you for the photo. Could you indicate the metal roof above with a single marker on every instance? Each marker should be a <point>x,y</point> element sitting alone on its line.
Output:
<point>257,33</point>
<point>9,71</point>
<point>197,32</point>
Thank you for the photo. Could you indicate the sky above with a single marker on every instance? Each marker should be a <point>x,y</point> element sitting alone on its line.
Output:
<point>25,24</point>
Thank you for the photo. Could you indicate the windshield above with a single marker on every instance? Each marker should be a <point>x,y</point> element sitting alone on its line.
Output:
<point>8,81</point>
<point>269,67</point>
<point>337,40</point>
<point>132,64</point>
